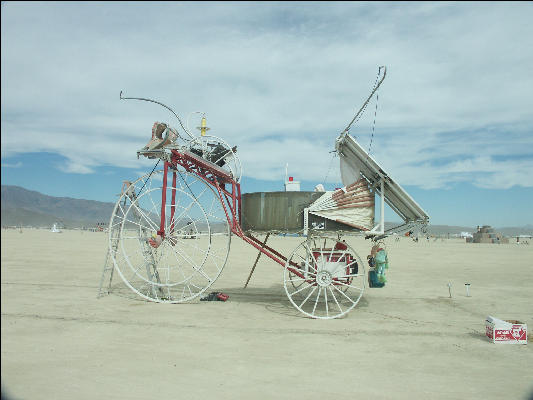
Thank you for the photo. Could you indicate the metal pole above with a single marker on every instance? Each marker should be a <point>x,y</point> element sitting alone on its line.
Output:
<point>382,206</point>
<point>173,204</point>
<point>163,203</point>
<point>256,260</point>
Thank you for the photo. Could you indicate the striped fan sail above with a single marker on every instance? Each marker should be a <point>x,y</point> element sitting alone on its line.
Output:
<point>352,205</point>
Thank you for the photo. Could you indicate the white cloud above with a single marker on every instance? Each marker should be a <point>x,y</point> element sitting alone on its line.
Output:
<point>278,80</point>
<point>9,165</point>
<point>75,168</point>
<point>482,172</point>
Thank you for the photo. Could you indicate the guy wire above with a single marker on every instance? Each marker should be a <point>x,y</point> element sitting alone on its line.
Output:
<point>374,124</point>
<point>330,164</point>
<point>153,169</point>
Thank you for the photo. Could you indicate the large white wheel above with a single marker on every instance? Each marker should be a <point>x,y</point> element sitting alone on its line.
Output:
<point>194,250</point>
<point>324,278</point>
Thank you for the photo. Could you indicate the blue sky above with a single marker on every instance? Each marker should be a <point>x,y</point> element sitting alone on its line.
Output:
<point>454,123</point>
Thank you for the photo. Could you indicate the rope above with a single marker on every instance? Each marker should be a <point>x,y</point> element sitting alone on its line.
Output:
<point>373,126</point>
<point>363,108</point>
<point>329,168</point>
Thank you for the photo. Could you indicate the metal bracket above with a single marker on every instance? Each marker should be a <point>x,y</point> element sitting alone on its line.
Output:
<point>306,221</point>
<point>379,229</point>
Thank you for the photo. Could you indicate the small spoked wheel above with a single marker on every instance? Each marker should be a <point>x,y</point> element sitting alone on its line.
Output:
<point>220,153</point>
<point>324,278</point>
<point>181,264</point>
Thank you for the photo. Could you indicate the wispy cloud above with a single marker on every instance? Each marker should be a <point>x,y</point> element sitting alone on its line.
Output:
<point>280,81</point>
<point>9,165</point>
<point>75,168</point>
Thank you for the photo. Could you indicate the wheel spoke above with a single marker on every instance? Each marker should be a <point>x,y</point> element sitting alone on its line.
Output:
<point>316,301</point>
<point>137,270</point>
<point>150,222</point>
<point>184,243</point>
<point>350,276</point>
<point>352,263</point>
<point>309,295</point>
<point>334,298</point>
<point>326,299</point>
<point>347,285</point>
<point>344,294</point>
<point>192,264</point>
<point>298,285</point>
<point>338,262</point>
<point>145,238</point>
<point>298,291</point>
<point>191,222</point>
<point>136,223</point>
<point>297,279</point>
<point>180,263</point>
<point>310,254</point>
<point>211,208</point>
<point>155,208</point>
<point>178,267</point>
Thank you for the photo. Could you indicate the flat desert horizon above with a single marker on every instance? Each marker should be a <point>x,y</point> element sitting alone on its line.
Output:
<point>408,340</point>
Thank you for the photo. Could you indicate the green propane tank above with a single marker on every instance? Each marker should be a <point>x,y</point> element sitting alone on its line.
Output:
<point>379,263</point>
<point>382,263</point>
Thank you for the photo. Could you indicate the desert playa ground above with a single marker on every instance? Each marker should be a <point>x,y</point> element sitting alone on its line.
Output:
<point>409,340</point>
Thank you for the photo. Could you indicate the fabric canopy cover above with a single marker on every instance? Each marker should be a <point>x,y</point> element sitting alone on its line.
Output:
<point>353,205</point>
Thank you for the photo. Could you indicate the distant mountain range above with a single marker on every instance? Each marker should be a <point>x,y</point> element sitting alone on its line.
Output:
<point>24,207</point>
<point>20,206</point>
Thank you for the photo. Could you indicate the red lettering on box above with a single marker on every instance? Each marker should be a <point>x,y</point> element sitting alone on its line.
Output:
<point>517,333</point>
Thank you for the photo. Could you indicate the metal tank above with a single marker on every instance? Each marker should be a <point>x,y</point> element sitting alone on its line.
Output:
<point>275,211</point>
<point>283,212</point>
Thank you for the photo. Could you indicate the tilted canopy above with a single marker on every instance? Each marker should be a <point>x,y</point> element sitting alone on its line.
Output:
<point>356,162</point>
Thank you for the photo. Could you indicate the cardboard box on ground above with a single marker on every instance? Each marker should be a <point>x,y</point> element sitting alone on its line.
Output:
<point>507,332</point>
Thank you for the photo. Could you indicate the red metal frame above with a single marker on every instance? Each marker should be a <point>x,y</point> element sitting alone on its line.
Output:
<point>230,199</point>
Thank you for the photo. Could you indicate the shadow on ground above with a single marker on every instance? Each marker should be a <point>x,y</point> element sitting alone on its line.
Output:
<point>273,298</point>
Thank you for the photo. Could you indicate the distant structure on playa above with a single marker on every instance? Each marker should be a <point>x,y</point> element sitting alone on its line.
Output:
<point>55,229</point>
<point>290,184</point>
<point>523,239</point>
<point>486,234</point>
<point>100,227</point>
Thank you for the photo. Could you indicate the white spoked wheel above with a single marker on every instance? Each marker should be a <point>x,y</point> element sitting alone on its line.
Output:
<point>219,152</point>
<point>324,278</point>
<point>182,264</point>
